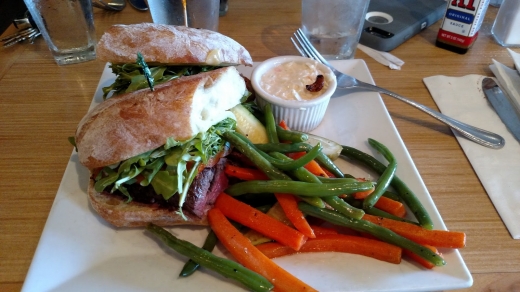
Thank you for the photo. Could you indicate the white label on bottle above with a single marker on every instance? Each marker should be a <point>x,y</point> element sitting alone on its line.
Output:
<point>464,17</point>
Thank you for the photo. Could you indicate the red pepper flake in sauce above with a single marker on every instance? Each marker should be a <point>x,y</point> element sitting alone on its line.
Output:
<point>317,85</point>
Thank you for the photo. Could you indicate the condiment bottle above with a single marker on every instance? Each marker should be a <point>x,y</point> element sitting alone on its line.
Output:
<point>506,28</point>
<point>459,28</point>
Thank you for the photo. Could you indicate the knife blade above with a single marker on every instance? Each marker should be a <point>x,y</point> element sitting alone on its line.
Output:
<point>502,106</point>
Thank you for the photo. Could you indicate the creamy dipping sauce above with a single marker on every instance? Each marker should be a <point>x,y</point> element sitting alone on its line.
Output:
<point>288,80</point>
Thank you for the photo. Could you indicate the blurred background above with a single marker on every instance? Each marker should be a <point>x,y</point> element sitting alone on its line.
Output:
<point>10,10</point>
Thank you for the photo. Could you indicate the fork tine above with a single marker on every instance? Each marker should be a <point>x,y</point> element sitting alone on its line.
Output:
<point>299,48</point>
<point>311,48</point>
<point>305,48</point>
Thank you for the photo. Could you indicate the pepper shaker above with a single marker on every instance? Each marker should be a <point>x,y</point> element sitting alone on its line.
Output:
<point>506,28</point>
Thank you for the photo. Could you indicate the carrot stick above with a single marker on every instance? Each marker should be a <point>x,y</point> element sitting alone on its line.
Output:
<point>386,204</point>
<point>283,124</point>
<point>289,205</point>
<point>312,166</point>
<point>320,230</point>
<point>256,220</point>
<point>244,173</point>
<point>250,257</point>
<point>421,260</point>
<point>363,194</point>
<point>339,243</point>
<point>390,206</point>
<point>437,238</point>
<point>275,250</point>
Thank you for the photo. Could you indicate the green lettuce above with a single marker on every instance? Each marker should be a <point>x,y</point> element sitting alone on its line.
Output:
<point>169,169</point>
<point>130,77</point>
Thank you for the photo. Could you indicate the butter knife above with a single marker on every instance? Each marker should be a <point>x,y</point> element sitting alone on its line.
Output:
<point>502,106</point>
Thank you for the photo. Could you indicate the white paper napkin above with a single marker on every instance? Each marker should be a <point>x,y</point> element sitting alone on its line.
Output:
<point>384,58</point>
<point>498,170</point>
<point>516,59</point>
<point>509,81</point>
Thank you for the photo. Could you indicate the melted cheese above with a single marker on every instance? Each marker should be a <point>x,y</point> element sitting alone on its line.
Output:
<point>212,101</point>
<point>214,57</point>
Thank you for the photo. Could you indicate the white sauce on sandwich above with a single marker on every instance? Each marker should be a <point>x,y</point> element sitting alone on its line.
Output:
<point>214,57</point>
<point>211,101</point>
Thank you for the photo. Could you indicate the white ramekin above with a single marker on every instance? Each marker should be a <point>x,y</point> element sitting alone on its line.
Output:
<point>303,115</point>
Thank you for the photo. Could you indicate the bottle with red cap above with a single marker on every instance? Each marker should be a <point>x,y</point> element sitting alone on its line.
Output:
<point>459,28</point>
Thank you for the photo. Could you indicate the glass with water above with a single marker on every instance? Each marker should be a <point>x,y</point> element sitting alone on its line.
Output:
<point>192,13</point>
<point>67,27</point>
<point>334,26</point>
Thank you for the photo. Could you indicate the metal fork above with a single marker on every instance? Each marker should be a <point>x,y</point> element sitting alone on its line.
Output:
<point>477,135</point>
<point>108,6</point>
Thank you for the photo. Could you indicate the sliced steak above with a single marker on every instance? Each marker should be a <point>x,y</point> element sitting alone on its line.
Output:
<point>208,184</point>
<point>204,192</point>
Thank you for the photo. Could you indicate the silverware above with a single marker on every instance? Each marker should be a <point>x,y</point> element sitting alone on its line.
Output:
<point>502,106</point>
<point>472,133</point>
<point>113,5</point>
<point>139,4</point>
<point>22,35</point>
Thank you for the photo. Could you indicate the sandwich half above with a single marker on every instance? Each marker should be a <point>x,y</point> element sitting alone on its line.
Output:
<point>170,52</point>
<point>156,155</point>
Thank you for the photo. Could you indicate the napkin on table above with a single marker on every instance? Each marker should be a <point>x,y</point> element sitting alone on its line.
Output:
<point>384,58</point>
<point>509,81</point>
<point>462,98</point>
<point>516,59</point>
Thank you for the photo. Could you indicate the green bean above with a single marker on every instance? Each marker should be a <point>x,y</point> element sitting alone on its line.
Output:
<point>303,175</point>
<point>293,164</point>
<point>392,195</point>
<point>386,177</point>
<point>280,164</point>
<point>225,267</point>
<point>387,193</point>
<point>191,266</point>
<point>329,180</point>
<point>379,232</point>
<point>334,201</point>
<point>325,162</point>
<point>248,150</point>
<point>313,201</point>
<point>297,188</point>
<point>291,136</point>
<point>270,124</point>
<point>343,207</point>
<point>380,213</point>
<point>323,159</point>
<point>403,190</point>
<point>283,147</point>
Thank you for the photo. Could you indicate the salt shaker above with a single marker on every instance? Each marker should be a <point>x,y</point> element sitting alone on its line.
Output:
<point>506,29</point>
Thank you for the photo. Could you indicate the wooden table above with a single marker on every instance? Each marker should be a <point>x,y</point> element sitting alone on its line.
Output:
<point>41,104</point>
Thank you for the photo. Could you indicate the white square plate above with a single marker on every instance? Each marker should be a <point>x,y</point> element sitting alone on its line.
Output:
<point>79,251</point>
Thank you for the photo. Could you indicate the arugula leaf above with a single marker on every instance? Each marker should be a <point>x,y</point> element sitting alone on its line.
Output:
<point>131,77</point>
<point>165,184</point>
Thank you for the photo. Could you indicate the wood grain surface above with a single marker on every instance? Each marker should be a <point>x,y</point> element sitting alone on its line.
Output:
<point>41,103</point>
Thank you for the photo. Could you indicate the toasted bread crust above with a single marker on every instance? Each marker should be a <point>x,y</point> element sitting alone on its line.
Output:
<point>130,124</point>
<point>168,44</point>
<point>121,214</point>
